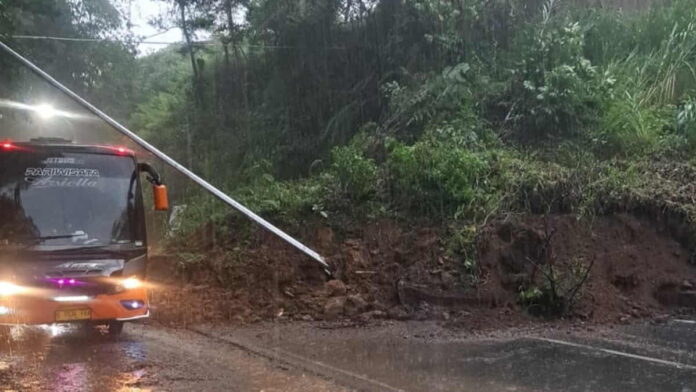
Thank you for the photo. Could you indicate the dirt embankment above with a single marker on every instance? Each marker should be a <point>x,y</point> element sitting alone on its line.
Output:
<point>386,271</point>
<point>636,266</point>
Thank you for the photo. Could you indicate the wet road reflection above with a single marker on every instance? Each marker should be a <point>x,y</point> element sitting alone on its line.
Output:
<point>402,356</point>
<point>65,358</point>
<point>145,358</point>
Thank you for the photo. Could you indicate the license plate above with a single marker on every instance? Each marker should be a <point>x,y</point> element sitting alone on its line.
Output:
<point>73,314</point>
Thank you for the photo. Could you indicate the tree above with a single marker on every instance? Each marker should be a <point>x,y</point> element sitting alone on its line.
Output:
<point>87,67</point>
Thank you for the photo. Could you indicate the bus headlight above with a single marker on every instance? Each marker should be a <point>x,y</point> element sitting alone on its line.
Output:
<point>8,289</point>
<point>131,283</point>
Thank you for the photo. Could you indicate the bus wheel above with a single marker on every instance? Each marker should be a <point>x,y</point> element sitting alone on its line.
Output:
<point>115,327</point>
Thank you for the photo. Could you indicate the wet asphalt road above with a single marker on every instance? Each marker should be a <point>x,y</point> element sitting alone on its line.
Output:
<point>143,359</point>
<point>425,357</point>
<point>315,357</point>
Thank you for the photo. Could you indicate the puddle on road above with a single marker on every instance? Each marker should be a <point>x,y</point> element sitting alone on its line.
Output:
<point>69,377</point>
<point>135,351</point>
<point>64,358</point>
<point>133,381</point>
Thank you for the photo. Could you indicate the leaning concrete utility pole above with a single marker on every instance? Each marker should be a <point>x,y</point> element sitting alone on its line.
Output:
<point>176,165</point>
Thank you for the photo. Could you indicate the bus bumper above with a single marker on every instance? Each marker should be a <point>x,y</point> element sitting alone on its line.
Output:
<point>127,305</point>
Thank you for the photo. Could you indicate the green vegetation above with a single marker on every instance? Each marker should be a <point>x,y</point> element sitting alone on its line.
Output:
<point>437,110</point>
<point>451,112</point>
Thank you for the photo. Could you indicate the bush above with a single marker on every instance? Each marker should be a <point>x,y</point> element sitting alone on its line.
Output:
<point>628,127</point>
<point>558,285</point>
<point>283,202</point>
<point>461,245</point>
<point>573,182</point>
<point>439,178</point>
<point>686,121</point>
<point>651,78</point>
<point>355,175</point>
<point>428,98</point>
<point>197,211</point>
<point>555,90</point>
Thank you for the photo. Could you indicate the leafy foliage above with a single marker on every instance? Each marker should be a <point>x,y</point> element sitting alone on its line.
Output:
<point>439,179</point>
<point>686,121</point>
<point>555,91</point>
<point>356,175</point>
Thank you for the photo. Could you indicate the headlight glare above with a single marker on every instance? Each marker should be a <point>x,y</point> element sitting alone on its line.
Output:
<point>131,283</point>
<point>8,289</point>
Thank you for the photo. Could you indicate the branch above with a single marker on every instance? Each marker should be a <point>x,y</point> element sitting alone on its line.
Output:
<point>575,290</point>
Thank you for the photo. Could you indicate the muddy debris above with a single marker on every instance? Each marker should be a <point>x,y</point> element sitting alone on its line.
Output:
<point>400,313</point>
<point>334,308</point>
<point>355,305</point>
<point>387,270</point>
<point>372,315</point>
<point>335,288</point>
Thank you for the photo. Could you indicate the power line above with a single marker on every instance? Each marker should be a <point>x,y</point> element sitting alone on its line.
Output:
<point>71,39</point>
<point>199,43</point>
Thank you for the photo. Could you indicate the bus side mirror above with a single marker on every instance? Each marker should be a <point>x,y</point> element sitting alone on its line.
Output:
<point>159,191</point>
<point>161,197</point>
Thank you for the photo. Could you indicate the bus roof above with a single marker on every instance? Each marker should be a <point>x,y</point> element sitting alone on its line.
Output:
<point>67,146</point>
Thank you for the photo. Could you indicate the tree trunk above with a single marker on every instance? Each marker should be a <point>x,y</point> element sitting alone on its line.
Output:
<point>197,88</point>
<point>226,50</point>
<point>187,37</point>
<point>189,142</point>
<point>230,30</point>
<point>190,115</point>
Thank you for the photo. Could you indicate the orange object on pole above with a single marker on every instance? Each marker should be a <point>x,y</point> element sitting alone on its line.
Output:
<point>161,197</point>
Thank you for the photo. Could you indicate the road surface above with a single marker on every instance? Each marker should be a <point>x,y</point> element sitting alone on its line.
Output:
<point>143,359</point>
<point>317,357</point>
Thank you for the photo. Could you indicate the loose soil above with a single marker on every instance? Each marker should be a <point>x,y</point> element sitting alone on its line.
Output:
<point>384,270</point>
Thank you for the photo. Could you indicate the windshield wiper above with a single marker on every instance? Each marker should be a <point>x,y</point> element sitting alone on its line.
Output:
<point>103,248</point>
<point>39,240</point>
<point>58,237</point>
<point>33,241</point>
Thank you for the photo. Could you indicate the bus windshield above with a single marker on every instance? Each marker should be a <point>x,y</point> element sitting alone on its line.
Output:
<point>56,200</point>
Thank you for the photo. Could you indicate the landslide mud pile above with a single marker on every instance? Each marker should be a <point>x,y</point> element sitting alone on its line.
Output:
<point>638,270</point>
<point>386,271</point>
